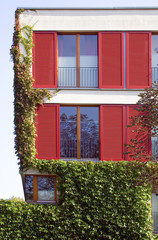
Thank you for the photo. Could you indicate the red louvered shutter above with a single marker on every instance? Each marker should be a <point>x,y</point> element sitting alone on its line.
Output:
<point>45,59</point>
<point>48,132</point>
<point>144,141</point>
<point>111,60</point>
<point>112,132</point>
<point>138,59</point>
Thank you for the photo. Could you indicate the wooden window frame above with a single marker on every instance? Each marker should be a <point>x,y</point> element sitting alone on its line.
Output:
<point>79,126</point>
<point>35,189</point>
<point>78,34</point>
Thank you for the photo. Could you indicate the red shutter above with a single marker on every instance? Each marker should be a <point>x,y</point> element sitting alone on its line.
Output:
<point>111,60</point>
<point>138,59</point>
<point>143,138</point>
<point>112,132</point>
<point>48,132</point>
<point>44,60</point>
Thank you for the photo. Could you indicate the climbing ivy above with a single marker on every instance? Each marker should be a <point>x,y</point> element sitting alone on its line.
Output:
<point>26,98</point>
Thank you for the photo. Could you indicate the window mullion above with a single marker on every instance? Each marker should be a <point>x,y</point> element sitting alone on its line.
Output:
<point>78,59</point>
<point>78,133</point>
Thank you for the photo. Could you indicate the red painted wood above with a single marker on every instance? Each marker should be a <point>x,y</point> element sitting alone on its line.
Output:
<point>140,136</point>
<point>112,132</point>
<point>111,59</point>
<point>45,59</point>
<point>48,132</point>
<point>138,46</point>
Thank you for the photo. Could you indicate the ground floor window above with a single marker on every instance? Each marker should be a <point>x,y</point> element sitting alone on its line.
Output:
<point>79,132</point>
<point>40,188</point>
<point>155,212</point>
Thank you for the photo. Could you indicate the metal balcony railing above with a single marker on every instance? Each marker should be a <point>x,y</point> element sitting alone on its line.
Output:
<point>155,221</point>
<point>88,149</point>
<point>69,77</point>
<point>155,75</point>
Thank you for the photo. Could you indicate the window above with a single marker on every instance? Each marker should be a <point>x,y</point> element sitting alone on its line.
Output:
<point>155,212</point>
<point>77,61</point>
<point>154,58</point>
<point>40,188</point>
<point>79,132</point>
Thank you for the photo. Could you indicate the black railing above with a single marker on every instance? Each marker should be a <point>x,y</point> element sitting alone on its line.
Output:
<point>68,148</point>
<point>155,75</point>
<point>88,77</point>
<point>88,149</point>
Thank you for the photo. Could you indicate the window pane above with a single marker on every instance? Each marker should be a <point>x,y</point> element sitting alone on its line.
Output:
<point>155,212</point>
<point>29,188</point>
<point>67,60</point>
<point>155,58</point>
<point>89,132</point>
<point>68,132</point>
<point>46,188</point>
<point>88,61</point>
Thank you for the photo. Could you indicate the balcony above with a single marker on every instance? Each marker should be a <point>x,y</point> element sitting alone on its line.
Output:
<point>89,149</point>
<point>83,77</point>
<point>154,75</point>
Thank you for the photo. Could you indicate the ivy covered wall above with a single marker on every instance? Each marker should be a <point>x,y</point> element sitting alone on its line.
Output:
<point>106,200</point>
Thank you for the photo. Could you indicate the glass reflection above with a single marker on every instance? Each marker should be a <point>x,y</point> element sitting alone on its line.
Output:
<point>155,212</point>
<point>29,188</point>
<point>155,58</point>
<point>89,132</point>
<point>46,188</point>
<point>88,61</point>
<point>68,132</point>
<point>67,60</point>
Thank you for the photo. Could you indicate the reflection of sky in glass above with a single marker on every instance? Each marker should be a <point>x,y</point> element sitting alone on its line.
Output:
<point>66,45</point>
<point>154,50</point>
<point>92,112</point>
<point>68,111</point>
<point>88,45</point>
<point>155,43</point>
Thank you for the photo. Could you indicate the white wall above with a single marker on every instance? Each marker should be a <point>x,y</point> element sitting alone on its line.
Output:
<point>93,97</point>
<point>91,20</point>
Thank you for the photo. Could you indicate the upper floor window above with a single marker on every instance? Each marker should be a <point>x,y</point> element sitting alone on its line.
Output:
<point>122,60</point>
<point>79,132</point>
<point>77,61</point>
<point>155,59</point>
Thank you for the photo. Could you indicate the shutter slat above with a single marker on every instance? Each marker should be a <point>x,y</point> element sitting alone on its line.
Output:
<point>112,132</point>
<point>144,140</point>
<point>45,59</point>
<point>48,132</point>
<point>111,60</point>
<point>138,60</point>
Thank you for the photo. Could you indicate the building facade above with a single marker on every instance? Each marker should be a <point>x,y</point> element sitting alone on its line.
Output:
<point>95,62</point>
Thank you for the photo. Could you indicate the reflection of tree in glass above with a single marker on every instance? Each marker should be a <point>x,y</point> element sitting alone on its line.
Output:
<point>46,183</point>
<point>29,187</point>
<point>68,135</point>
<point>89,136</point>
<point>46,188</point>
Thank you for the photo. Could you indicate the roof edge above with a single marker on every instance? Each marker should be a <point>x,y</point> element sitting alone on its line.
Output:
<point>93,8</point>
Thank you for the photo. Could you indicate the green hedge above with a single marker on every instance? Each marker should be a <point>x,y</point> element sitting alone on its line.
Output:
<point>106,200</point>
